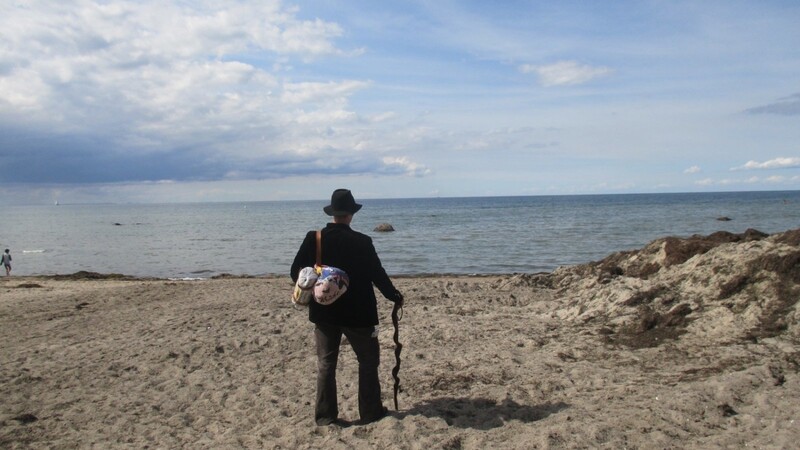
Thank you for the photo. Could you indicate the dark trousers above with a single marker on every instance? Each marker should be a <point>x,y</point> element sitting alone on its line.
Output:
<point>367,349</point>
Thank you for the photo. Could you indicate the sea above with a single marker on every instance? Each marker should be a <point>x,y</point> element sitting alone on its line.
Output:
<point>482,235</point>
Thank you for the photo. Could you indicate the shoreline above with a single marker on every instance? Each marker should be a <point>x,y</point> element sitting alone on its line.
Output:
<point>88,275</point>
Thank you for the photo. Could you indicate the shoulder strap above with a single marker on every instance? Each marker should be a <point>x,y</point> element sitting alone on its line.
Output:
<point>319,247</point>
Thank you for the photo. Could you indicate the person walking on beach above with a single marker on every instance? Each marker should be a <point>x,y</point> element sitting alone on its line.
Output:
<point>7,261</point>
<point>354,314</point>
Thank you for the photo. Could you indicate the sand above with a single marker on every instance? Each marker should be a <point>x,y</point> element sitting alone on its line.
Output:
<point>686,343</point>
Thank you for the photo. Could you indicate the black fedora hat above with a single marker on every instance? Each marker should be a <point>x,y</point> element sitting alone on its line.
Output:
<point>342,203</point>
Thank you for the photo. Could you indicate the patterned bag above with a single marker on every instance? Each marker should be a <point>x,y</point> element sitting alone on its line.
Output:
<point>331,282</point>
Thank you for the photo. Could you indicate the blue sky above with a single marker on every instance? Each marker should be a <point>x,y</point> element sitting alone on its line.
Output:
<point>184,101</point>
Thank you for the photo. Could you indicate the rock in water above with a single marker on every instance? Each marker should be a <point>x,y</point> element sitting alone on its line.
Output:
<point>384,227</point>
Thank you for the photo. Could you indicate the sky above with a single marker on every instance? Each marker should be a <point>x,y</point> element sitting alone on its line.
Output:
<point>195,101</point>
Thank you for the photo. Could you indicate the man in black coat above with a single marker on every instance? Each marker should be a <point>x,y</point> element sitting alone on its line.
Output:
<point>354,314</point>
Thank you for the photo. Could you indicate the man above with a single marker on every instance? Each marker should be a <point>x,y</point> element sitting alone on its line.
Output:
<point>354,314</point>
<point>7,261</point>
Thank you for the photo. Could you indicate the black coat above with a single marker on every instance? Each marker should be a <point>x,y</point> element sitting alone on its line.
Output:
<point>354,253</point>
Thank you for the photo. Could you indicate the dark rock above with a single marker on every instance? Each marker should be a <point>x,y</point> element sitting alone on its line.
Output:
<point>734,286</point>
<point>25,418</point>
<point>726,410</point>
<point>751,234</point>
<point>791,237</point>
<point>724,219</point>
<point>384,227</point>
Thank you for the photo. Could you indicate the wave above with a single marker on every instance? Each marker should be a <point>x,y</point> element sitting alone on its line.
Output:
<point>34,251</point>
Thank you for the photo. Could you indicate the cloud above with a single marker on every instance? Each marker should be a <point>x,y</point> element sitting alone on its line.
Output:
<point>565,73</point>
<point>750,181</point>
<point>295,93</point>
<point>787,106</point>
<point>777,163</point>
<point>405,166</point>
<point>130,91</point>
<point>692,170</point>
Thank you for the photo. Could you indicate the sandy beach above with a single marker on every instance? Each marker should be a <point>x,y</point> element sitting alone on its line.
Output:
<point>685,343</point>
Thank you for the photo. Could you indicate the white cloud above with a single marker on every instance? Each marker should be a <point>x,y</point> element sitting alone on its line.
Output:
<point>750,181</point>
<point>382,117</point>
<point>203,81</point>
<point>148,66</point>
<point>565,73</point>
<point>294,93</point>
<point>22,91</point>
<point>777,163</point>
<point>406,166</point>
<point>325,117</point>
<point>691,170</point>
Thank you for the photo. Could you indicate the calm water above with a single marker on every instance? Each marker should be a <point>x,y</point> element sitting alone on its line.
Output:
<point>443,235</point>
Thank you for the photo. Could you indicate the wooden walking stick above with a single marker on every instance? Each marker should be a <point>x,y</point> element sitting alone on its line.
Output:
<point>397,314</point>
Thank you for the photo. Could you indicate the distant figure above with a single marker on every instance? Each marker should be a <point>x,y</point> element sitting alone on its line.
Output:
<point>354,314</point>
<point>7,261</point>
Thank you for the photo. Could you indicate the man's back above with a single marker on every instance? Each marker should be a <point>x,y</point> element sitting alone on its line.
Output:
<point>354,253</point>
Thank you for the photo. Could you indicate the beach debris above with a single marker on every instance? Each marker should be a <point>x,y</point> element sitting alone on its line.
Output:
<point>453,444</point>
<point>84,275</point>
<point>229,276</point>
<point>384,228</point>
<point>28,285</point>
<point>81,305</point>
<point>727,410</point>
<point>25,418</point>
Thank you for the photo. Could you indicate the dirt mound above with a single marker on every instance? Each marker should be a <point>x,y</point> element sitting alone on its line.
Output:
<point>666,252</point>
<point>720,286</point>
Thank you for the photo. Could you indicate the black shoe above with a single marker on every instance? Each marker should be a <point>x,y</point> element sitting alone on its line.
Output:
<point>326,421</point>
<point>384,412</point>
<point>333,423</point>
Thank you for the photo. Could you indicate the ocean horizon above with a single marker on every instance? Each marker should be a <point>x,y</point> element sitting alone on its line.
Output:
<point>454,235</point>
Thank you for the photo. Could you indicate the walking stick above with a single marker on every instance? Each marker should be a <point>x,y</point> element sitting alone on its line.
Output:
<point>397,314</point>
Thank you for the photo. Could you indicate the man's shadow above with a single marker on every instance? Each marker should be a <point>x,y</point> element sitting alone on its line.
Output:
<point>481,413</point>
